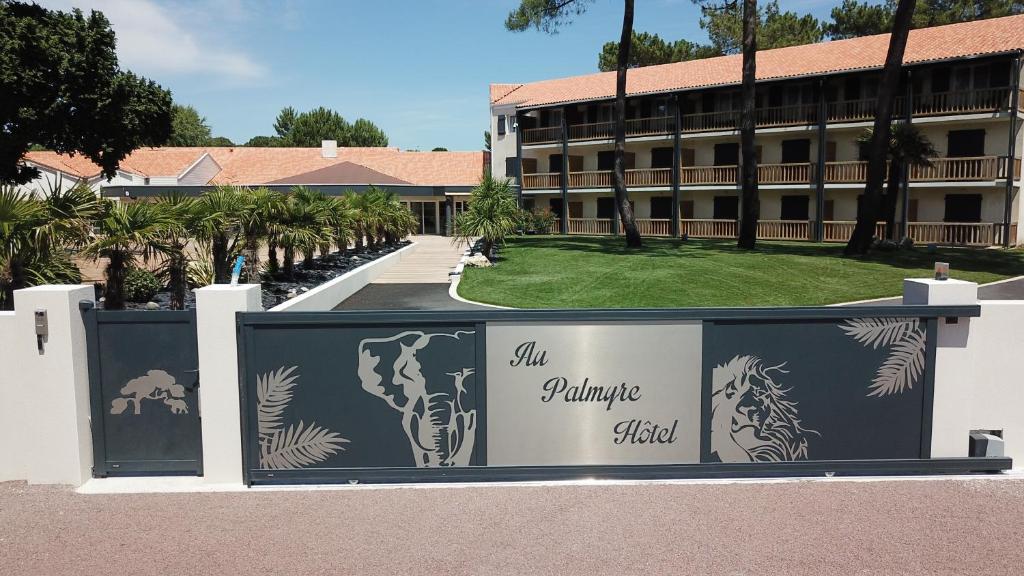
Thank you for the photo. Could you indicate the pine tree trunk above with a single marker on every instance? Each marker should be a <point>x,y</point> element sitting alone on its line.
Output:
<point>892,192</point>
<point>750,204</point>
<point>113,292</point>
<point>621,195</point>
<point>864,231</point>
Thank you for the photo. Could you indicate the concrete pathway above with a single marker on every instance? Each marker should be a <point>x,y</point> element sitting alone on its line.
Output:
<point>820,528</point>
<point>430,263</point>
<point>419,282</point>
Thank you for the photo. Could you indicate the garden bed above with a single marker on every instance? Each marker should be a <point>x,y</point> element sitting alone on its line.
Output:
<point>278,290</point>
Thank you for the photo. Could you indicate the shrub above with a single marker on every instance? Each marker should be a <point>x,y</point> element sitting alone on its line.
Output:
<point>140,285</point>
<point>540,220</point>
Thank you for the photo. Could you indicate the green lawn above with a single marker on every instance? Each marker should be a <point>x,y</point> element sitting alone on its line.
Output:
<point>598,272</point>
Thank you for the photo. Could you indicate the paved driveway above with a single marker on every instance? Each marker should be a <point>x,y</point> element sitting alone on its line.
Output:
<point>404,296</point>
<point>818,528</point>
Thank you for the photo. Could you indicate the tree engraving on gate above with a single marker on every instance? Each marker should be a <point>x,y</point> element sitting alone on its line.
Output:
<point>421,376</point>
<point>296,446</point>
<point>752,419</point>
<point>906,342</point>
<point>154,385</point>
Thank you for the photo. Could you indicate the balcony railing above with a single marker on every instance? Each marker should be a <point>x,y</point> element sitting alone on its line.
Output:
<point>980,168</point>
<point>949,233</point>
<point>931,104</point>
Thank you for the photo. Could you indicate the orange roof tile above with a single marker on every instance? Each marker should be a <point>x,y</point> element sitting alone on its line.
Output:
<point>253,166</point>
<point>993,36</point>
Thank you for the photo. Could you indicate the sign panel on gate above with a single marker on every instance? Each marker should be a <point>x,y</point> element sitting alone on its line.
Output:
<point>572,394</point>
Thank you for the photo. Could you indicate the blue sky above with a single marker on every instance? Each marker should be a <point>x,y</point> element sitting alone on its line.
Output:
<point>417,68</point>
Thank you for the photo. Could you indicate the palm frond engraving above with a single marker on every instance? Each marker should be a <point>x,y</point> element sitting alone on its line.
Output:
<point>300,446</point>
<point>906,341</point>
<point>297,445</point>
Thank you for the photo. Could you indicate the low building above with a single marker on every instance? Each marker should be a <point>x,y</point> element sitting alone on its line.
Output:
<point>960,86</point>
<point>433,184</point>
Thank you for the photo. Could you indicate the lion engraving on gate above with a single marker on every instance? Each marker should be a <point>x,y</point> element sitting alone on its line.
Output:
<point>751,418</point>
<point>154,385</point>
<point>420,375</point>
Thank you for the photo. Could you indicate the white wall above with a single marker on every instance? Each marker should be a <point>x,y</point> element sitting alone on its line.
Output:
<point>11,465</point>
<point>329,294</point>
<point>201,172</point>
<point>502,147</point>
<point>996,340</point>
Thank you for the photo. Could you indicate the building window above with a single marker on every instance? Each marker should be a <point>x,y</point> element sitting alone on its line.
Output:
<point>686,209</point>
<point>965,143</point>
<point>661,207</point>
<point>575,209</point>
<point>661,157</point>
<point>727,154</point>
<point>606,208</point>
<point>501,125</point>
<point>795,208</point>
<point>796,151</point>
<point>963,208</point>
<point>727,207</point>
<point>511,168</point>
<point>555,204</point>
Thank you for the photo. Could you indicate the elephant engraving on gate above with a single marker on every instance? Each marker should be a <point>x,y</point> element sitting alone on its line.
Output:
<point>425,377</point>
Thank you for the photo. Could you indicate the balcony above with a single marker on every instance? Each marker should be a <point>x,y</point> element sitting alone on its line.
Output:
<point>976,169</point>
<point>948,233</point>
<point>932,104</point>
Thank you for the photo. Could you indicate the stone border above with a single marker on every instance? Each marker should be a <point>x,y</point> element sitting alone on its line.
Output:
<point>327,295</point>
<point>455,276</point>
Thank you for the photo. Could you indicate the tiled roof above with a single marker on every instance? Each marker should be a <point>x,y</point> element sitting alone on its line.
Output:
<point>253,166</point>
<point>341,173</point>
<point>993,36</point>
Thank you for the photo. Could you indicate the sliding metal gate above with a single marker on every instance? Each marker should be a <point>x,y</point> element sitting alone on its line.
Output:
<point>143,382</point>
<point>421,396</point>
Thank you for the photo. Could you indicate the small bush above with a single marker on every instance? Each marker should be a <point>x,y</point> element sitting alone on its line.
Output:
<point>540,220</point>
<point>140,285</point>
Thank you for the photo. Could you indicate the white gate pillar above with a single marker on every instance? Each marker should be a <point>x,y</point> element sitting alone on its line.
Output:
<point>951,409</point>
<point>216,306</point>
<point>46,392</point>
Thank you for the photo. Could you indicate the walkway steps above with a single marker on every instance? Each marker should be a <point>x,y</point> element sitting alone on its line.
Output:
<point>430,263</point>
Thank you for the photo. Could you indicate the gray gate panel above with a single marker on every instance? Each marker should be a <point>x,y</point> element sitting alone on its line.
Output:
<point>827,390</point>
<point>351,397</point>
<point>143,392</point>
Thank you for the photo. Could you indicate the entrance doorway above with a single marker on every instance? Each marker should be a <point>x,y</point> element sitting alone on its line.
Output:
<point>427,216</point>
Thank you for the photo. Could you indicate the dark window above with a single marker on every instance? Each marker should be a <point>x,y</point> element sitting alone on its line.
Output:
<point>775,96</point>
<point>796,151</point>
<point>863,151</point>
<point>555,204</point>
<point>940,80</point>
<point>501,125</point>
<point>576,209</point>
<point>965,143</point>
<point>727,207</point>
<point>606,208</point>
<point>999,74</point>
<point>606,160</point>
<point>830,210</point>
<point>555,163</point>
<point>510,168</point>
<point>661,207</point>
<point>686,209</point>
<point>707,103</point>
<point>661,157</point>
<point>529,204</point>
<point>851,88</point>
<point>727,154</point>
<point>795,207</point>
<point>963,208</point>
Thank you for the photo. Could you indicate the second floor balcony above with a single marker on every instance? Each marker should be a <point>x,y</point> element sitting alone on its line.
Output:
<point>989,100</point>
<point>973,169</point>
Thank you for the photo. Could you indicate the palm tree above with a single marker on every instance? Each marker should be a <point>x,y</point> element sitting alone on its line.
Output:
<point>259,218</point>
<point>126,232</point>
<point>342,221</point>
<point>220,227</point>
<point>908,147</point>
<point>492,214</point>
<point>303,227</point>
<point>37,234</point>
<point>183,218</point>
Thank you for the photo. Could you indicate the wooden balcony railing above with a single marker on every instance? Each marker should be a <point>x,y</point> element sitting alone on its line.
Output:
<point>930,104</point>
<point>708,175</point>
<point>784,173</point>
<point>706,228</point>
<point>784,229</point>
<point>841,230</point>
<point>853,171</point>
<point>591,179</point>
<point>542,181</point>
<point>591,226</point>
<point>955,233</point>
<point>960,169</point>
